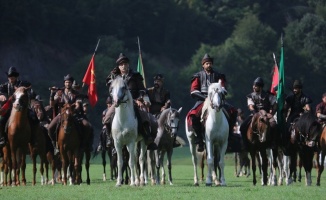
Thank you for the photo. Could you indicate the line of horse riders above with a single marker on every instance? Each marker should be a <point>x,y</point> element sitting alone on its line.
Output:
<point>156,99</point>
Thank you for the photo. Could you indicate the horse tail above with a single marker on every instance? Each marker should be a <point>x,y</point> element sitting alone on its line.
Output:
<point>181,141</point>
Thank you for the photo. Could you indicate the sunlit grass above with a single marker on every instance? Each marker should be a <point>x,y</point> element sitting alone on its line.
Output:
<point>182,172</point>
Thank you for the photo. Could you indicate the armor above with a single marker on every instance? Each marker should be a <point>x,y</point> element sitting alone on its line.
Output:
<point>262,101</point>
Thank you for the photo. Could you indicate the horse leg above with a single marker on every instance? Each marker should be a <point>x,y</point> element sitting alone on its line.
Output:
<point>158,165</point>
<point>274,165</point>
<point>33,156</point>
<point>221,154</point>
<point>264,165</point>
<point>42,170</point>
<point>103,154</point>
<point>169,164</point>
<point>23,167</point>
<point>64,161</point>
<point>162,167</point>
<point>142,163</point>
<point>253,166</point>
<point>192,147</point>
<point>236,162</point>
<point>151,165</point>
<point>307,156</point>
<point>132,148</point>
<point>210,162</point>
<point>77,163</point>
<point>320,165</point>
<point>87,164</point>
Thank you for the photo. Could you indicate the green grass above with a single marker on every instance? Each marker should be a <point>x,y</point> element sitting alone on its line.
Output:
<point>182,171</point>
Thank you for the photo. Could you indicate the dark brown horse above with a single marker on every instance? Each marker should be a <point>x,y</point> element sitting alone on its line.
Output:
<point>86,146</point>
<point>19,134</point>
<point>69,143</point>
<point>257,135</point>
<point>306,134</point>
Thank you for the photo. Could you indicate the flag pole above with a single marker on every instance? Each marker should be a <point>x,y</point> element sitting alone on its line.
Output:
<point>98,42</point>
<point>141,62</point>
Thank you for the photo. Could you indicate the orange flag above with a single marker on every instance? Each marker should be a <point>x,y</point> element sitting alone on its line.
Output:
<point>274,79</point>
<point>89,79</point>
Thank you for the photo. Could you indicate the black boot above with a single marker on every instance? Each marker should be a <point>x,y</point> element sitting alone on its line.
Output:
<point>199,135</point>
<point>107,137</point>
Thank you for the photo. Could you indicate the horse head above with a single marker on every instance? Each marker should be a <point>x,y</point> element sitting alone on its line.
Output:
<point>260,125</point>
<point>172,121</point>
<point>20,99</point>
<point>306,129</point>
<point>216,93</point>
<point>120,92</point>
<point>67,112</point>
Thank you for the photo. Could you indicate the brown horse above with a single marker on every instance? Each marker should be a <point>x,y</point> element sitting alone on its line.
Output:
<point>322,152</point>
<point>69,143</point>
<point>4,179</point>
<point>257,135</point>
<point>19,134</point>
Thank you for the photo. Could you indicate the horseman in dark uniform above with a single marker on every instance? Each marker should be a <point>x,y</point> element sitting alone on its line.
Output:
<point>6,91</point>
<point>134,81</point>
<point>258,100</point>
<point>198,90</point>
<point>297,102</point>
<point>159,97</point>
<point>58,97</point>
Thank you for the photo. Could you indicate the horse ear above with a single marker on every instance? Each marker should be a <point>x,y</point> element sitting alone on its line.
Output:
<point>179,109</point>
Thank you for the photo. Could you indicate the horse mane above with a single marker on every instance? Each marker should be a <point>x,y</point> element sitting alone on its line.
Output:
<point>164,115</point>
<point>218,86</point>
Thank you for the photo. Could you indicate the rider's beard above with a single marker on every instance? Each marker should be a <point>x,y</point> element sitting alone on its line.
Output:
<point>156,86</point>
<point>209,69</point>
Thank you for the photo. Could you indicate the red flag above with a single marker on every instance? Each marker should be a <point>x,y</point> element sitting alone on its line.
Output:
<point>274,79</point>
<point>89,79</point>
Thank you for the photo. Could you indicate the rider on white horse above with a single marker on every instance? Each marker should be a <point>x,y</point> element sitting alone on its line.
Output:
<point>134,81</point>
<point>198,90</point>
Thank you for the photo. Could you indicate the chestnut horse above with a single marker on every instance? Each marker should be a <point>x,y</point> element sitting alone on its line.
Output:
<point>322,151</point>
<point>69,143</point>
<point>19,134</point>
<point>258,134</point>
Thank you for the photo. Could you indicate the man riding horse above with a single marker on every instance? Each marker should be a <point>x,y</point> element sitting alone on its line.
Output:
<point>198,90</point>
<point>159,97</point>
<point>256,101</point>
<point>134,81</point>
<point>58,97</point>
<point>6,91</point>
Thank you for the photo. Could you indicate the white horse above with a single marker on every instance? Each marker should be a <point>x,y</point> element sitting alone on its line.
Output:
<point>125,131</point>
<point>216,135</point>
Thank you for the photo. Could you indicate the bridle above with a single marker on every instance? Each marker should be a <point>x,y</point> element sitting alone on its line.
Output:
<point>220,96</point>
<point>171,123</point>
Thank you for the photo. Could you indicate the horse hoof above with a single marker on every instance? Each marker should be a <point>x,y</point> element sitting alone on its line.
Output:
<point>117,185</point>
<point>196,184</point>
<point>208,184</point>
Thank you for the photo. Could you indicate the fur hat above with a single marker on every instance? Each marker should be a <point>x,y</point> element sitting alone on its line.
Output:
<point>207,58</point>
<point>68,78</point>
<point>158,77</point>
<point>297,84</point>
<point>122,58</point>
<point>12,72</point>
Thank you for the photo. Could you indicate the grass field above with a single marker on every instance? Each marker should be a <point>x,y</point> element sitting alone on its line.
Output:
<point>237,188</point>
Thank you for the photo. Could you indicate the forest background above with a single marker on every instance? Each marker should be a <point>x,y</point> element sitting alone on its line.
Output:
<point>45,40</point>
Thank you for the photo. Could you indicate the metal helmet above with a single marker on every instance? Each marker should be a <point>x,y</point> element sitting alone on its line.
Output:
<point>122,58</point>
<point>207,58</point>
<point>259,82</point>
<point>68,78</point>
<point>12,72</point>
<point>297,84</point>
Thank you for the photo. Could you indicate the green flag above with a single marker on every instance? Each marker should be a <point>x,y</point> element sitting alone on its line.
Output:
<point>140,68</point>
<point>280,90</point>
